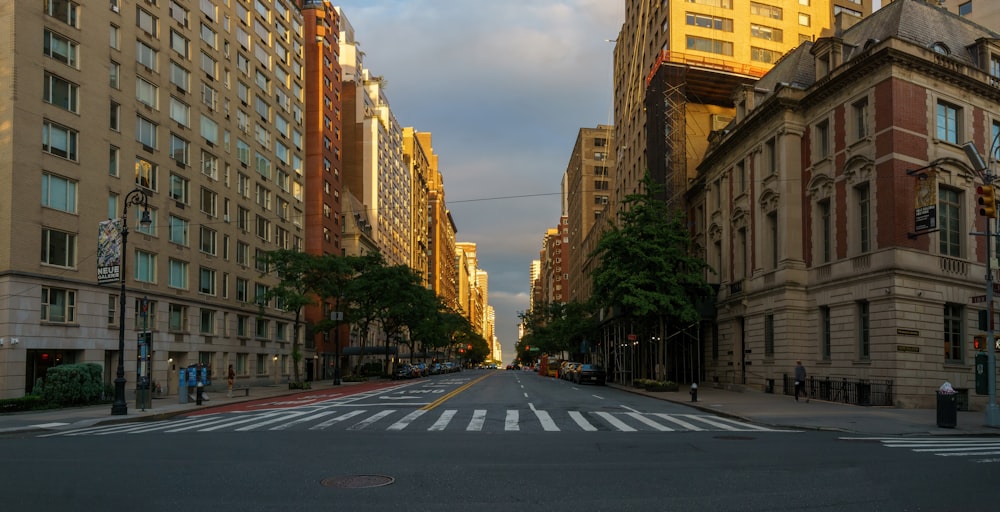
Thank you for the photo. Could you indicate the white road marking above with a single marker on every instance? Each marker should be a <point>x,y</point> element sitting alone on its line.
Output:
<point>443,421</point>
<point>340,418</point>
<point>478,420</point>
<point>581,421</point>
<point>615,422</point>
<point>510,423</point>
<point>406,420</point>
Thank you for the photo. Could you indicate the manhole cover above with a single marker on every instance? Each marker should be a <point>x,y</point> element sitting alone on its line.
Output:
<point>735,438</point>
<point>357,481</point>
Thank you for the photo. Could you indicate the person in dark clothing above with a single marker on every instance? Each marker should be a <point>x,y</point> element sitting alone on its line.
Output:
<point>800,381</point>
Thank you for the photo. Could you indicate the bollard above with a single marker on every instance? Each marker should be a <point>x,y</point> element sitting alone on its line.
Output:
<point>694,392</point>
<point>198,394</point>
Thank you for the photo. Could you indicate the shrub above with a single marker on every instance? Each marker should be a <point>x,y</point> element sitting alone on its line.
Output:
<point>354,378</point>
<point>73,384</point>
<point>25,403</point>
<point>659,385</point>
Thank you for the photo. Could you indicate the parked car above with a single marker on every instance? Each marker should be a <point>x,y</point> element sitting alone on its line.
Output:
<point>590,373</point>
<point>403,371</point>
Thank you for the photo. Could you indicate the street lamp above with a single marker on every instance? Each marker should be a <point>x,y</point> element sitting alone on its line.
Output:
<point>992,411</point>
<point>137,197</point>
<point>336,316</point>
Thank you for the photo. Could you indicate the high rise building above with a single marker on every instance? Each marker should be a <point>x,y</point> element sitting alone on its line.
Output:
<point>198,113</point>
<point>587,187</point>
<point>442,266</point>
<point>676,65</point>
<point>419,159</point>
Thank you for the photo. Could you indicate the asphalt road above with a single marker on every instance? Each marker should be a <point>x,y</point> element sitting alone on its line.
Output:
<point>285,463</point>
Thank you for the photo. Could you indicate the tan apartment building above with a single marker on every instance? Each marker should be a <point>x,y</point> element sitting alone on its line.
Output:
<point>373,152</point>
<point>419,158</point>
<point>443,265</point>
<point>196,112</point>
<point>675,65</point>
<point>839,212</point>
<point>587,187</point>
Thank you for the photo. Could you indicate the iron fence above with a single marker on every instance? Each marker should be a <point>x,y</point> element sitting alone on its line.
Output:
<point>848,391</point>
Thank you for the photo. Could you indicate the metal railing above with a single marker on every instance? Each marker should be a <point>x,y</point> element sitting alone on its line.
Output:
<point>848,391</point>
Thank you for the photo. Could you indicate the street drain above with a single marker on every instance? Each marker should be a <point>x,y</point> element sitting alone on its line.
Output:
<point>357,481</point>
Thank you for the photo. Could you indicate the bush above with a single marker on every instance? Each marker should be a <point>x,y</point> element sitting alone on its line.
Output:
<point>25,403</point>
<point>73,384</point>
<point>659,385</point>
<point>354,378</point>
<point>299,385</point>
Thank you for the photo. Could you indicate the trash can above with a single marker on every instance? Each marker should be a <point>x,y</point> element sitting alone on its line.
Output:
<point>947,410</point>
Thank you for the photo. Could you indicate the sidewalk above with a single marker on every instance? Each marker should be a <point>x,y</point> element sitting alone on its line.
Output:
<point>166,407</point>
<point>778,410</point>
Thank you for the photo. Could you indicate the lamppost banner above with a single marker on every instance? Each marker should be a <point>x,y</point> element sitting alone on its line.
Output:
<point>925,215</point>
<point>109,251</point>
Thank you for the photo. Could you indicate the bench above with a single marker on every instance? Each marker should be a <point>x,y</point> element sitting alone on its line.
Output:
<point>242,389</point>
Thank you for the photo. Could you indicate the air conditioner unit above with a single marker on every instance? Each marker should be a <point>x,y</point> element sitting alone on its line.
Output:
<point>114,8</point>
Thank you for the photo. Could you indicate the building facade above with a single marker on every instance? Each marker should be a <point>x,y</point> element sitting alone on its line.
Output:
<point>199,111</point>
<point>809,209</point>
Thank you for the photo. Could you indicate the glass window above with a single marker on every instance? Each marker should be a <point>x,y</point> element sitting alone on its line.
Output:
<point>825,333</point>
<point>147,22</point>
<point>114,80</point>
<point>113,153</point>
<point>66,11</point>
<point>60,92</point>
<point>180,77</point>
<point>948,122</point>
<point>60,48</point>
<point>58,193</point>
<point>146,55</point>
<point>864,330</point>
<point>206,281</point>
<point>178,149</point>
<point>58,248</point>
<point>953,333</point>
<point>207,321</point>
<point>58,305</point>
<point>59,141</point>
<point>145,131</point>
<point>949,221</point>
<point>180,112</point>
<point>178,274</point>
<point>147,93</point>
<point>179,43</point>
<point>145,267</point>
<point>145,174</point>
<point>177,318</point>
<point>178,230</point>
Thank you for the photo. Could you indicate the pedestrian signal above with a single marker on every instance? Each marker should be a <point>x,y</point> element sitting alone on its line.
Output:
<point>978,342</point>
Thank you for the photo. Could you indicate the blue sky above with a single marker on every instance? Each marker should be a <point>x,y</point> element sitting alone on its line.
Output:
<point>503,87</point>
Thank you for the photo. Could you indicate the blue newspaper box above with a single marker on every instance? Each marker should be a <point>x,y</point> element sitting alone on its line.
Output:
<point>182,389</point>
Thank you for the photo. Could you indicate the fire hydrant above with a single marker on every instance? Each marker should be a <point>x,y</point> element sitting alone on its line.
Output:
<point>694,392</point>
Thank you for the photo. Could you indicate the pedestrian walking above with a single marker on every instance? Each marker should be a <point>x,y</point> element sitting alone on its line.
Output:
<point>800,381</point>
<point>230,379</point>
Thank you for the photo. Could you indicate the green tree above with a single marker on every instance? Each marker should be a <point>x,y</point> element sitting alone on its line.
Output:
<point>647,274</point>
<point>293,292</point>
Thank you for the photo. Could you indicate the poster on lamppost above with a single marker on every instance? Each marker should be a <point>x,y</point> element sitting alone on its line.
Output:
<point>109,251</point>
<point>925,214</point>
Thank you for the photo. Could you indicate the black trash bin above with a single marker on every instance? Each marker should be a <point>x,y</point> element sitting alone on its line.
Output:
<point>947,410</point>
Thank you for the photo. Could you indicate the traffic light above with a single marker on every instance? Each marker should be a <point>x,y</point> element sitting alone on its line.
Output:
<point>987,201</point>
<point>978,342</point>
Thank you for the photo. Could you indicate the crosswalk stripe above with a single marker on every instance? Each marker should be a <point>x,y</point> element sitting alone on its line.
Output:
<point>966,454</point>
<point>342,417</point>
<point>682,423</point>
<point>303,419</point>
<point>711,421</point>
<point>615,422</point>
<point>511,422</point>
<point>581,421</point>
<point>222,422</point>
<point>478,419</point>
<point>443,421</point>
<point>365,423</point>
<point>547,424</point>
<point>643,419</point>
<point>406,420</point>
<point>271,421</point>
<point>956,449</point>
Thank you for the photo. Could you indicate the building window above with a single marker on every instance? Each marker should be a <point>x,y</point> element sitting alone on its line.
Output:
<point>112,310</point>
<point>178,149</point>
<point>59,140</point>
<point>242,326</point>
<point>178,230</point>
<point>58,193</point>
<point>863,196</point>
<point>804,19</point>
<point>965,9</point>
<point>178,13</point>
<point>825,337</point>
<point>953,333</point>
<point>58,248</point>
<point>177,273</point>
<point>822,139</point>
<point>145,174</point>
<point>743,261</point>
<point>114,79</point>
<point>146,55</point>
<point>771,156</point>
<point>765,32</point>
<point>58,305</point>
<point>113,153</point>
<point>769,335</point>
<point>712,22</point>
<point>207,321</point>
<point>764,55</point>
<point>63,10</point>
<point>767,11</point>
<point>180,77</point>
<point>207,240</point>
<point>859,111</point>
<point>115,117</point>
<point>949,222</point>
<point>179,188</point>
<point>145,267</point>
<point>147,93</point>
<point>60,48</point>
<point>177,321</point>
<point>147,22</point>
<point>151,228</point>
<point>145,132</point>
<point>772,227</point>
<point>261,331</point>
<point>241,358</point>
<point>825,232</point>
<point>206,281</point>
<point>948,119</point>
<point>704,44</point>
<point>242,289</point>
<point>144,321</point>
<point>864,333</point>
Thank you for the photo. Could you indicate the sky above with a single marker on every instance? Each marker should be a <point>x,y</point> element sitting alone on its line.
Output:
<point>503,87</point>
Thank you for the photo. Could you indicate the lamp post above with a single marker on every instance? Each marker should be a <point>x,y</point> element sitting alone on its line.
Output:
<point>336,316</point>
<point>992,418</point>
<point>137,197</point>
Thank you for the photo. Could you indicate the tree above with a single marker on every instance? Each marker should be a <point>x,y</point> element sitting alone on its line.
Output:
<point>647,274</point>
<point>292,293</point>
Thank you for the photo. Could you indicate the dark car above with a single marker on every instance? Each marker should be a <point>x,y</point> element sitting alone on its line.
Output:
<point>590,373</point>
<point>403,371</point>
